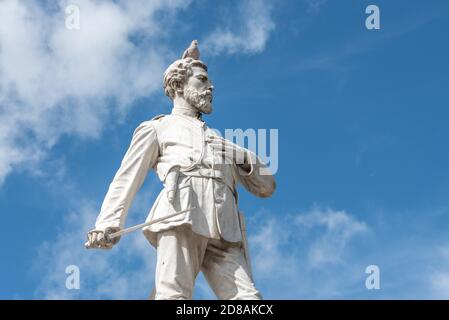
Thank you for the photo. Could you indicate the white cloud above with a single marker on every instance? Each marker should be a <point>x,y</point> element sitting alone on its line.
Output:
<point>338,229</point>
<point>247,33</point>
<point>56,81</point>
<point>268,243</point>
<point>125,272</point>
<point>305,255</point>
<point>438,279</point>
<point>440,285</point>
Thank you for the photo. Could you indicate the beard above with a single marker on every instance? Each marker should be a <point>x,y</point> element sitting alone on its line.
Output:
<point>202,101</point>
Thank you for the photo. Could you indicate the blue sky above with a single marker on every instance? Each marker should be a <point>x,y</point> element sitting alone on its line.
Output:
<point>363,128</point>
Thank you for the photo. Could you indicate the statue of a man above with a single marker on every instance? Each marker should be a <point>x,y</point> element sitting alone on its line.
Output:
<point>199,170</point>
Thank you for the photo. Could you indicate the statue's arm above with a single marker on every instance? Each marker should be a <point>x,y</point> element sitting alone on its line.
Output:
<point>140,157</point>
<point>255,176</point>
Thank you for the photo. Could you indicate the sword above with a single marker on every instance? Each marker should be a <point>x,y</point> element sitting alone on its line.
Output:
<point>110,236</point>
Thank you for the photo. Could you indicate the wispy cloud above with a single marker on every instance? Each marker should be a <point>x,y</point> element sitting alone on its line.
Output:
<point>247,32</point>
<point>440,285</point>
<point>338,230</point>
<point>125,272</point>
<point>305,255</point>
<point>439,279</point>
<point>55,81</point>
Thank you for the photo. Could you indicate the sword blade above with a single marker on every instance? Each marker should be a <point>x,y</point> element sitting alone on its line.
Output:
<point>145,224</point>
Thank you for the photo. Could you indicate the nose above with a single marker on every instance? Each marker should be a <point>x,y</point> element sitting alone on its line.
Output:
<point>211,88</point>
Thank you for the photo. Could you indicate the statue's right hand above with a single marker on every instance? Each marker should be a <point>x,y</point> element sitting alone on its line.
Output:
<point>96,239</point>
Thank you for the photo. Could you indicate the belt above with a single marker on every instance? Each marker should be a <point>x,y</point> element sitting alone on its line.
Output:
<point>205,173</point>
<point>210,174</point>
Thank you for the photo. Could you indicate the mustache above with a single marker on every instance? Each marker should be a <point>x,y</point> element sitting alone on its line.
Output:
<point>198,96</point>
<point>205,94</point>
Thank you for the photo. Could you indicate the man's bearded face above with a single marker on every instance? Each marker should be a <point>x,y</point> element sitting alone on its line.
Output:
<point>200,100</point>
<point>198,91</point>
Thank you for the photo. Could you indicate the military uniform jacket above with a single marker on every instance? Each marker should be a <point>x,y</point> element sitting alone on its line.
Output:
<point>204,182</point>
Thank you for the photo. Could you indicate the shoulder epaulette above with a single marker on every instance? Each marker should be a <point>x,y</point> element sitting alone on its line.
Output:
<point>158,117</point>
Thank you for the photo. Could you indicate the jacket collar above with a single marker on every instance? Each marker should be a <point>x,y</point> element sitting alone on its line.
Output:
<point>185,111</point>
<point>188,113</point>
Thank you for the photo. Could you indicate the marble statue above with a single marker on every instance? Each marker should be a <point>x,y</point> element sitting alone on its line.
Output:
<point>197,224</point>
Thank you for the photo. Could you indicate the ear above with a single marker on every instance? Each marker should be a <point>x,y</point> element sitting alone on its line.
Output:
<point>178,87</point>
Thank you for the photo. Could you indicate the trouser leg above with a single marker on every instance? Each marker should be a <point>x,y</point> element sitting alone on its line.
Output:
<point>226,270</point>
<point>180,254</point>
